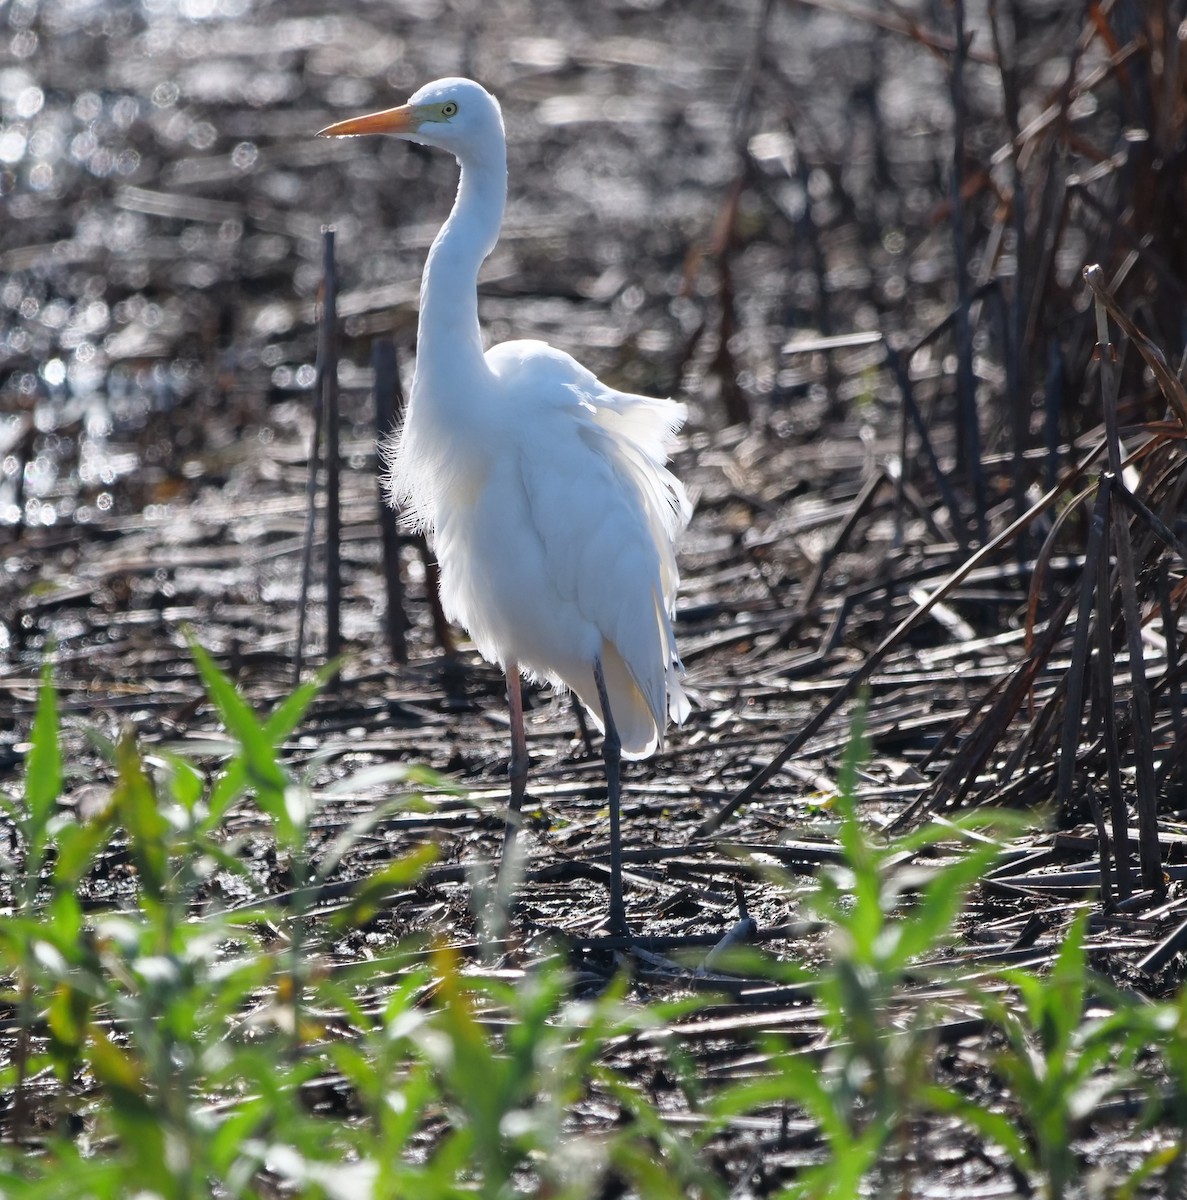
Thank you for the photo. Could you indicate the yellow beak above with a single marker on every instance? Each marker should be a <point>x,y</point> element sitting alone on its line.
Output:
<point>393,120</point>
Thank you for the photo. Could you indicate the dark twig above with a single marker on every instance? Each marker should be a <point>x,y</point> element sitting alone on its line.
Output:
<point>1170,632</point>
<point>1106,696</point>
<point>911,410</point>
<point>1077,672</point>
<point>895,20</point>
<point>1143,720</point>
<point>1013,307</point>
<point>328,386</point>
<point>310,512</point>
<point>969,437</point>
<point>853,683</point>
<point>1153,522</point>
<point>987,734</point>
<point>856,511</point>
<point>1168,382</point>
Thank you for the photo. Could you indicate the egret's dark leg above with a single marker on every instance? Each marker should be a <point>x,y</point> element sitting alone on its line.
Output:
<point>517,769</point>
<point>612,753</point>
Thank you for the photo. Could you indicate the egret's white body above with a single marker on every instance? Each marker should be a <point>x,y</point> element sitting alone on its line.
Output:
<point>553,523</point>
<point>552,513</point>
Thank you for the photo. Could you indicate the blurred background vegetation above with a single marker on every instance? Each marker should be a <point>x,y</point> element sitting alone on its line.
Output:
<point>853,238</point>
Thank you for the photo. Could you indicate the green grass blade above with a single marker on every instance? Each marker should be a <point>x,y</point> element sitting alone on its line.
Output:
<point>995,1127</point>
<point>470,1057</point>
<point>263,771</point>
<point>228,788</point>
<point>43,769</point>
<point>291,711</point>
<point>136,807</point>
<point>371,893</point>
<point>931,920</point>
<point>78,847</point>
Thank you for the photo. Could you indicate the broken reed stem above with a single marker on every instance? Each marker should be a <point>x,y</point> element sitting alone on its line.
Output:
<point>911,412</point>
<point>1069,740</point>
<point>1168,382</point>
<point>1014,314</point>
<point>857,510</point>
<point>849,688</point>
<point>962,772</point>
<point>1108,374</point>
<point>1170,633</point>
<point>1154,523</point>
<point>1107,707</point>
<point>1143,720</point>
<point>314,467</point>
<point>328,386</point>
<point>968,434</point>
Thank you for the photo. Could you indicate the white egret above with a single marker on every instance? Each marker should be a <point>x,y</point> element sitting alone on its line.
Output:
<point>552,513</point>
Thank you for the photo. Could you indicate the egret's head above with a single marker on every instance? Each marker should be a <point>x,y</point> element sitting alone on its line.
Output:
<point>457,115</point>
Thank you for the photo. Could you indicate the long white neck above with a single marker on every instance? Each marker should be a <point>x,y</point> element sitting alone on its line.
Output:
<point>449,342</point>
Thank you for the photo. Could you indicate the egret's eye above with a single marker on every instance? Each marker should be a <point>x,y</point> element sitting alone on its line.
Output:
<point>448,108</point>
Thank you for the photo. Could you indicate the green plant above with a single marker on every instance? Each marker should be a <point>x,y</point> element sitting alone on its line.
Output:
<point>151,1000</point>
<point>32,818</point>
<point>1059,1059</point>
<point>185,1040</point>
<point>1156,1037</point>
<point>883,922</point>
<point>504,1064</point>
<point>199,1049</point>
